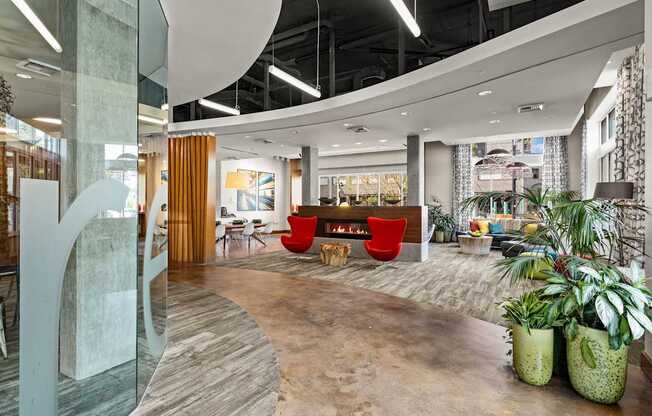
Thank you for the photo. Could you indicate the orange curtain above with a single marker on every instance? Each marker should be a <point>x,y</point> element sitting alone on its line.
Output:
<point>191,200</point>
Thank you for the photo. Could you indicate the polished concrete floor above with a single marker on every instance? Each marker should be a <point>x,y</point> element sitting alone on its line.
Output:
<point>349,351</point>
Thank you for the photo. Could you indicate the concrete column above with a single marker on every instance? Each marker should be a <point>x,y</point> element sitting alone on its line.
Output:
<point>648,154</point>
<point>309,175</point>
<point>415,170</point>
<point>99,109</point>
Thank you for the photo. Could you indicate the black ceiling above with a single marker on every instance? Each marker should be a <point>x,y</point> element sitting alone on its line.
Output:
<point>366,46</point>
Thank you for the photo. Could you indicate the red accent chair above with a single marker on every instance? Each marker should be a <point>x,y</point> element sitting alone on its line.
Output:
<point>386,238</point>
<point>303,233</point>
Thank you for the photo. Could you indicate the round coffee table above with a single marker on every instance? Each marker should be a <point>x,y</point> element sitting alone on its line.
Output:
<point>475,245</point>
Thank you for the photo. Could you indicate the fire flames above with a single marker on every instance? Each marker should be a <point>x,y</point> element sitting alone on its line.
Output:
<point>347,229</point>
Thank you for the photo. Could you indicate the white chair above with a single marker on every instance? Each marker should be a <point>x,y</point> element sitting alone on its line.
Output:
<point>220,234</point>
<point>265,232</point>
<point>248,232</point>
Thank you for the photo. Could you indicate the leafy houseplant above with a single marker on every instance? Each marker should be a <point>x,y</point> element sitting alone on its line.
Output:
<point>601,308</point>
<point>604,311</point>
<point>532,337</point>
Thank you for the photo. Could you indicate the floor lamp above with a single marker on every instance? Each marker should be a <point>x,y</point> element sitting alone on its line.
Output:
<point>616,191</point>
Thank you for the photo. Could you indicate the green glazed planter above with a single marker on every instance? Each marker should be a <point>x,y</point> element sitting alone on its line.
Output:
<point>533,354</point>
<point>601,374</point>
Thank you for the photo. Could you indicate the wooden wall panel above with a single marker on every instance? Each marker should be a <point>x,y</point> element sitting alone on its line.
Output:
<point>191,215</point>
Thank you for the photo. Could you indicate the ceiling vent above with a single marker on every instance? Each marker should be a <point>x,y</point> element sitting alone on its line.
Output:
<point>264,141</point>
<point>530,108</point>
<point>358,129</point>
<point>38,67</point>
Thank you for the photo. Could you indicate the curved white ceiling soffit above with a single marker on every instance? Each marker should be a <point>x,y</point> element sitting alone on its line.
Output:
<point>212,43</point>
<point>576,30</point>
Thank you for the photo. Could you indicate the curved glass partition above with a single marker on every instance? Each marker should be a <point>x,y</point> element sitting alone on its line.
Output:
<point>82,305</point>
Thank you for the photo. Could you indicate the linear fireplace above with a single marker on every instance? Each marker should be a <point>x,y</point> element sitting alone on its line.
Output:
<point>357,230</point>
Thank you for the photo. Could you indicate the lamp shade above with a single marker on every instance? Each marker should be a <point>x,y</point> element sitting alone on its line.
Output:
<point>614,190</point>
<point>236,180</point>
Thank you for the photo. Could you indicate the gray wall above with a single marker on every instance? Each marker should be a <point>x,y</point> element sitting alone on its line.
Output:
<point>439,174</point>
<point>575,138</point>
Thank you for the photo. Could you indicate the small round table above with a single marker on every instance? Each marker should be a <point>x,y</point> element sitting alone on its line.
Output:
<point>475,245</point>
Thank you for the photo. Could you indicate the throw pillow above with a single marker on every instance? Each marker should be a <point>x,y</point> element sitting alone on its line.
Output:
<point>496,228</point>
<point>484,226</point>
<point>473,226</point>
<point>530,229</point>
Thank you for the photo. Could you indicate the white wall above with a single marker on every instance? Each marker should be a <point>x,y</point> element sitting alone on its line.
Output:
<point>281,190</point>
<point>439,174</point>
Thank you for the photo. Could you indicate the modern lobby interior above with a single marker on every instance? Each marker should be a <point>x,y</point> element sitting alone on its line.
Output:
<point>328,208</point>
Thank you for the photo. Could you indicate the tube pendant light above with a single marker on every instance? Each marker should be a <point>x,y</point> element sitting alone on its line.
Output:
<point>219,107</point>
<point>284,76</point>
<point>407,17</point>
<point>38,24</point>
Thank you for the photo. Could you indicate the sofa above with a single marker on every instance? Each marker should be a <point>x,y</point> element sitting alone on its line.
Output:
<point>500,235</point>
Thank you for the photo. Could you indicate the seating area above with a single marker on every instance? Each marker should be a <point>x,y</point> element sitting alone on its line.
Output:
<point>328,208</point>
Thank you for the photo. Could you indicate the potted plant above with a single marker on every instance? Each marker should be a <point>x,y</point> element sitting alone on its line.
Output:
<point>448,224</point>
<point>604,310</point>
<point>532,337</point>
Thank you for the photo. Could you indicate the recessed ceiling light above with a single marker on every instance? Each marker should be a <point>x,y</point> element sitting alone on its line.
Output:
<point>23,76</point>
<point>358,143</point>
<point>335,145</point>
<point>383,140</point>
<point>247,137</point>
<point>48,120</point>
<point>485,93</point>
<point>494,121</point>
<point>165,107</point>
<point>609,61</point>
<point>347,124</point>
<point>427,129</point>
<point>404,113</point>
<point>7,130</point>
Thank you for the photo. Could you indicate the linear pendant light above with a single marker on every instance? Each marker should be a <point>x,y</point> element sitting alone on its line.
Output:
<point>407,17</point>
<point>274,70</point>
<point>38,24</point>
<point>152,120</point>
<point>219,107</point>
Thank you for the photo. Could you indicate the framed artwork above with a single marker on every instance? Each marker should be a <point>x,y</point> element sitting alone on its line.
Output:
<point>266,184</point>
<point>246,198</point>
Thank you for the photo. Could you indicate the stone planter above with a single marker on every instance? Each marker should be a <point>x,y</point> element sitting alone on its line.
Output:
<point>602,377</point>
<point>533,354</point>
<point>439,236</point>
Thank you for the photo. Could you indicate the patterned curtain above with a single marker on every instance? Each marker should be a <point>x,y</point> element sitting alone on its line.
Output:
<point>630,142</point>
<point>462,184</point>
<point>555,164</point>
<point>584,164</point>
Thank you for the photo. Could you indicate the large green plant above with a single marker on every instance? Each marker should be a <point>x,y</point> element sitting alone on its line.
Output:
<point>598,295</point>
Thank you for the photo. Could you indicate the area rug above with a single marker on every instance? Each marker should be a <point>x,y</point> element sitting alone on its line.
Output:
<point>450,279</point>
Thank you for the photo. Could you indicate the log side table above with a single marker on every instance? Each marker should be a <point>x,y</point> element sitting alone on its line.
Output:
<point>334,254</point>
<point>475,245</point>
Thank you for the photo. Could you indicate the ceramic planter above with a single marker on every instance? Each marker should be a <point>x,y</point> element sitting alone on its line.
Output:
<point>533,354</point>
<point>598,373</point>
<point>439,236</point>
<point>448,236</point>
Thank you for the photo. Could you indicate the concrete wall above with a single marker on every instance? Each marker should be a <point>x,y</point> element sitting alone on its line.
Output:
<point>439,174</point>
<point>392,161</point>
<point>281,190</point>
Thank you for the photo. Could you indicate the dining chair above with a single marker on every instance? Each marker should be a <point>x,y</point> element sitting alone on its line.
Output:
<point>266,231</point>
<point>220,233</point>
<point>248,232</point>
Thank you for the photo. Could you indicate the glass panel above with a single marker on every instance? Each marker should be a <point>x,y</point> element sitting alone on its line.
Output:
<point>612,124</point>
<point>348,189</point>
<point>603,131</point>
<point>369,189</point>
<point>391,188</point>
<point>150,202</point>
<point>324,187</point>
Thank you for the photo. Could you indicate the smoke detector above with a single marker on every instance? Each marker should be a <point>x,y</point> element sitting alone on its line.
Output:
<point>358,129</point>
<point>38,67</point>
<point>530,108</point>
